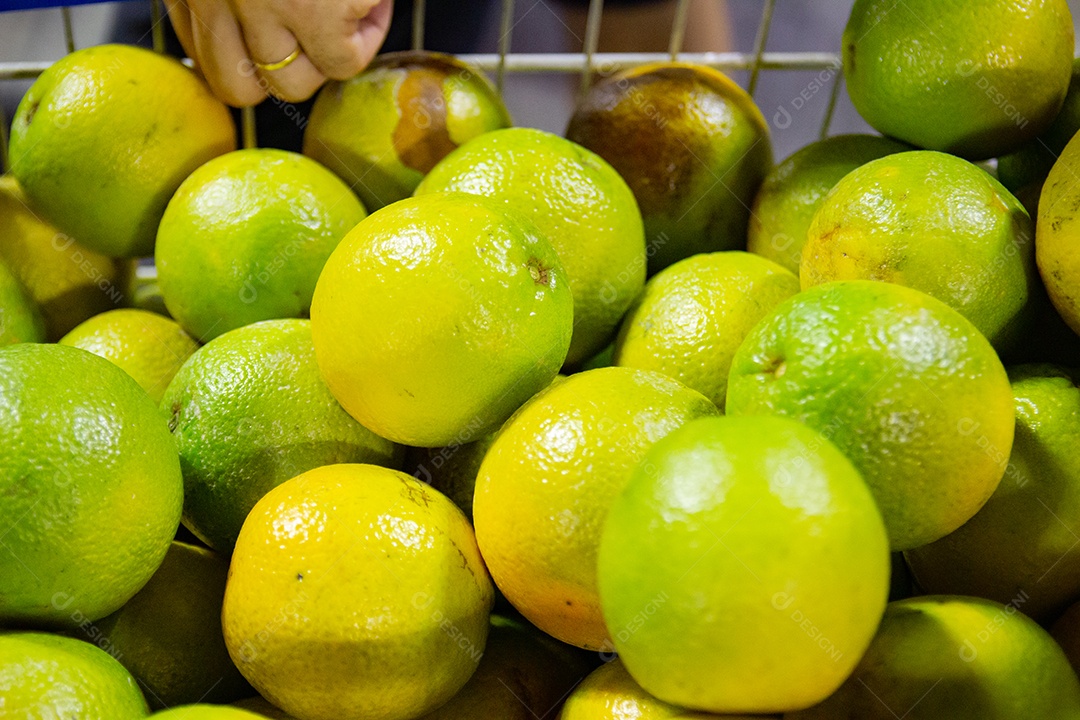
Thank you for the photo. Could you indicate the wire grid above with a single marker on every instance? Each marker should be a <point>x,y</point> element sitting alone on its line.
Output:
<point>583,63</point>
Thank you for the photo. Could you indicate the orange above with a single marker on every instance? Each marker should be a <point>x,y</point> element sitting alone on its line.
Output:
<point>105,136</point>
<point>547,482</point>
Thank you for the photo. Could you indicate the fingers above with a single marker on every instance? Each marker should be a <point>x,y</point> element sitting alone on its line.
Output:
<point>221,54</point>
<point>270,42</point>
<point>342,46</point>
<point>180,17</point>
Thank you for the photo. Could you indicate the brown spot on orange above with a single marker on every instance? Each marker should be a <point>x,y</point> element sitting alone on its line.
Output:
<point>420,137</point>
<point>174,417</point>
<point>540,273</point>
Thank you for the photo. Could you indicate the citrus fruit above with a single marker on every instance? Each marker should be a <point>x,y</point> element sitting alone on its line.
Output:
<point>954,657</point>
<point>899,382</point>
<point>1024,171</point>
<point>609,693</point>
<point>68,282</point>
<point>438,316</point>
<point>692,146</point>
<point>149,347</point>
<point>169,635</point>
<point>695,313</point>
<point>20,320</point>
<point>933,222</point>
<point>1018,548</point>
<point>578,202</point>
<point>262,708</point>
<point>50,676</point>
<point>450,470</point>
<point>1066,631</point>
<point>245,237</point>
<point>348,581</point>
<point>523,675</point>
<point>793,191</point>
<point>1057,248</point>
<point>206,712</point>
<point>384,129</point>
<point>90,481</point>
<point>744,568</point>
<point>545,486</point>
<point>248,411</point>
<point>105,136</point>
<point>976,78</point>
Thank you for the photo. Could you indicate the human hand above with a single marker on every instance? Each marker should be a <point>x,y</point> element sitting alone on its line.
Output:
<point>228,39</point>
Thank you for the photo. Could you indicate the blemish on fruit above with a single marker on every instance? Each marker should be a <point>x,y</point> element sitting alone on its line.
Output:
<point>541,274</point>
<point>174,417</point>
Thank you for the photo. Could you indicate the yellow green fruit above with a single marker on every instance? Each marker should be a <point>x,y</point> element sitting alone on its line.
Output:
<point>523,675</point>
<point>67,282</point>
<point>384,129</point>
<point>547,482</point>
<point>105,136</point>
<point>248,411</point>
<point>46,676</point>
<point>691,145</point>
<point>20,320</point>
<point>609,693</point>
<point>438,316</point>
<point>91,486</point>
<point>1019,547</point>
<point>793,190</point>
<point>205,712</point>
<point>694,314</point>
<point>942,656</point>
<point>1057,235</point>
<point>169,635</point>
<point>356,592</point>
<point>578,202</point>
<point>976,78</point>
<point>899,382</point>
<point>245,238</point>
<point>744,568</point>
<point>148,347</point>
<point>933,222</point>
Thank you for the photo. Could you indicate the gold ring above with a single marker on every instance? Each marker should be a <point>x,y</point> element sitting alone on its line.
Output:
<point>269,67</point>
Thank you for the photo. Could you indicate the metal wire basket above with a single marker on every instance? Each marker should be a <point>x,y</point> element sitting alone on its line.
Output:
<point>583,64</point>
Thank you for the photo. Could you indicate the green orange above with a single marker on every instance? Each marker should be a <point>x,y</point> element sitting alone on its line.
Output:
<point>976,78</point>
<point>105,136</point>
<point>248,411</point>
<point>373,589</point>
<point>91,486</point>
<point>438,316</point>
<point>691,145</point>
<point>50,676</point>
<point>245,237</point>
<point>905,386</point>
<point>384,129</point>
<point>936,223</point>
<point>547,482</point>
<point>744,568</point>
<point>694,314</point>
<point>793,190</point>
<point>20,320</point>
<point>147,346</point>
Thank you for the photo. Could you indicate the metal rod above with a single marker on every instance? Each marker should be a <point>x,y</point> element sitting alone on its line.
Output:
<point>834,92</point>
<point>419,9</point>
<point>759,44</point>
<point>157,28</point>
<point>506,29</point>
<point>69,31</point>
<point>568,62</point>
<point>247,127</point>
<point>592,41</point>
<point>678,28</point>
